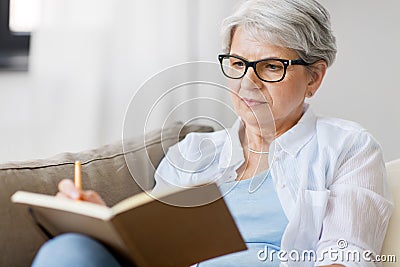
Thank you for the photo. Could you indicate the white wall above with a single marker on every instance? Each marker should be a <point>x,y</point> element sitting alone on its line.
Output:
<point>15,116</point>
<point>361,85</point>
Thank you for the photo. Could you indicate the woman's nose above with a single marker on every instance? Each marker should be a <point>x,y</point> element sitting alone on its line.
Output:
<point>250,80</point>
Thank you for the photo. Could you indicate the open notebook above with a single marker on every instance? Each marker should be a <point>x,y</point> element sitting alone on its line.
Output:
<point>145,231</point>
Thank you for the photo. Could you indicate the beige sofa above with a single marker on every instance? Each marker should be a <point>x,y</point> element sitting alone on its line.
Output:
<point>103,169</point>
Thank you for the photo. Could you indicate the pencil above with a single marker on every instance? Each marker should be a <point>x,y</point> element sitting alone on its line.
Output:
<point>78,175</point>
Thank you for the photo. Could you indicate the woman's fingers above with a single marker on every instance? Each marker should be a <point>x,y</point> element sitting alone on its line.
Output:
<point>61,195</point>
<point>67,188</point>
<point>93,197</point>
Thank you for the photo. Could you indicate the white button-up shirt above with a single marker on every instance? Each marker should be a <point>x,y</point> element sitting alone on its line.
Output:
<point>329,175</point>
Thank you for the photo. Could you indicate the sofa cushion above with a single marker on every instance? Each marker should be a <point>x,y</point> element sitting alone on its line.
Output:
<point>103,169</point>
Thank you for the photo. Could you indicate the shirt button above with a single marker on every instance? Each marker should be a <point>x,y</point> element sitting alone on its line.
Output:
<point>277,157</point>
<point>281,185</point>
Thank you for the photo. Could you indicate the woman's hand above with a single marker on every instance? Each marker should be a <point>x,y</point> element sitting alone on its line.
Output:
<point>67,189</point>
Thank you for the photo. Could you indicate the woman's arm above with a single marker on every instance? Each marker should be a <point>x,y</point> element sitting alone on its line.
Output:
<point>359,205</point>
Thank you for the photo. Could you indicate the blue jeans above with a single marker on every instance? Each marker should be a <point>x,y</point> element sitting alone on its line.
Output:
<point>74,250</point>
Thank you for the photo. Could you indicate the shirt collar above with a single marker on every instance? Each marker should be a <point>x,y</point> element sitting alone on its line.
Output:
<point>298,136</point>
<point>291,141</point>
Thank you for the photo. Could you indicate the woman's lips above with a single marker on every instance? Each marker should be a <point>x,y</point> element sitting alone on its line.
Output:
<point>252,102</point>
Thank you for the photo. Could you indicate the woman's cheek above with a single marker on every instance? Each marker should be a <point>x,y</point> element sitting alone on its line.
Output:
<point>235,100</point>
<point>234,85</point>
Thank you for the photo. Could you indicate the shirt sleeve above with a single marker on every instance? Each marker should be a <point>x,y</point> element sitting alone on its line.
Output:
<point>168,173</point>
<point>359,206</point>
<point>185,163</point>
<point>164,170</point>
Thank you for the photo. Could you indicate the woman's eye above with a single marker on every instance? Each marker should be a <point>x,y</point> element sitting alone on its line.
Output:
<point>272,67</point>
<point>237,64</point>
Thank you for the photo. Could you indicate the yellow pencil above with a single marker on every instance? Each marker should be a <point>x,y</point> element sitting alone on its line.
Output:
<point>78,175</point>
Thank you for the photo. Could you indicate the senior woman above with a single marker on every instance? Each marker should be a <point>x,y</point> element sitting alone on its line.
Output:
<point>311,187</point>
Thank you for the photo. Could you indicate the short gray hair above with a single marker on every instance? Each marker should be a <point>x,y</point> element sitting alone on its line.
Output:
<point>301,25</point>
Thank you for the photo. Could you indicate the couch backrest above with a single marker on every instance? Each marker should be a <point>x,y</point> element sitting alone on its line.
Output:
<point>103,169</point>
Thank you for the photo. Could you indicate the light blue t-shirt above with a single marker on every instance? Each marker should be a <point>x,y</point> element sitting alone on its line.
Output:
<point>259,217</point>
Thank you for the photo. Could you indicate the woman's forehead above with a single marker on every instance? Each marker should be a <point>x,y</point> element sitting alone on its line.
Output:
<point>247,46</point>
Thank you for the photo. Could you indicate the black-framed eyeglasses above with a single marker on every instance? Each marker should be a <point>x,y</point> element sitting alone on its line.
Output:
<point>267,69</point>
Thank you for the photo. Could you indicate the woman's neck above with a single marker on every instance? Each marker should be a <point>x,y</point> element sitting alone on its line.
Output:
<point>257,138</point>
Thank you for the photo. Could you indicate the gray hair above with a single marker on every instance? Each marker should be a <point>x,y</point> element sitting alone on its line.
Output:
<point>301,25</point>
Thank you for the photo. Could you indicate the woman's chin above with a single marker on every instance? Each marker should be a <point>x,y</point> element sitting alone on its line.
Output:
<point>262,119</point>
<point>259,111</point>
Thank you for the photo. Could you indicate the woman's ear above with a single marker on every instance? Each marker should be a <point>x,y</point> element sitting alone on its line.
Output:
<point>316,74</point>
